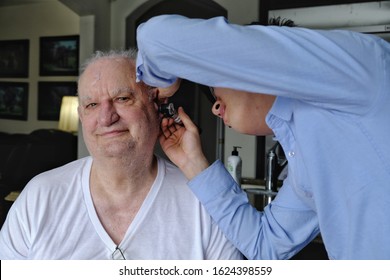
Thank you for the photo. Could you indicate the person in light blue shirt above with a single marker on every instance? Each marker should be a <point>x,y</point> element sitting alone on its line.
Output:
<point>325,95</point>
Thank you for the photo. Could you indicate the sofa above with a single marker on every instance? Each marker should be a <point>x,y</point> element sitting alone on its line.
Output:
<point>22,156</point>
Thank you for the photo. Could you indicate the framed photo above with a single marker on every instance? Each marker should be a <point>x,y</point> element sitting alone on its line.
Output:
<point>13,100</point>
<point>14,59</point>
<point>59,56</point>
<point>50,96</point>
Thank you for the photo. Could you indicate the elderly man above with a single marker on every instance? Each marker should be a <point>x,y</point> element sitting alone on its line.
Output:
<point>123,202</point>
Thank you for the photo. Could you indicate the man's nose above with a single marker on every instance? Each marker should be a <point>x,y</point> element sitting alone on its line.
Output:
<point>216,108</point>
<point>108,114</point>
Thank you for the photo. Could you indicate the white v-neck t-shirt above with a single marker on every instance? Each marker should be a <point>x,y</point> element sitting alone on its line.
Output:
<point>54,218</point>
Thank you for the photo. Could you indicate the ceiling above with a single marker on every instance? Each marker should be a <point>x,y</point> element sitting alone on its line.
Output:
<point>4,3</point>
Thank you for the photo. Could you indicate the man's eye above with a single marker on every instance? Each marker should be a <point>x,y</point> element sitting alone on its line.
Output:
<point>91,105</point>
<point>122,98</point>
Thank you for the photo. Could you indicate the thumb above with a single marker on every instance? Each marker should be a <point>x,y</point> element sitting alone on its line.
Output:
<point>186,120</point>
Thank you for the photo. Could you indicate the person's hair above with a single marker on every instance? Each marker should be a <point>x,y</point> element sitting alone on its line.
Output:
<point>130,54</point>
<point>277,21</point>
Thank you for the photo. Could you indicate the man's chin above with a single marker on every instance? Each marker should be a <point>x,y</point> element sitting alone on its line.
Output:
<point>117,149</point>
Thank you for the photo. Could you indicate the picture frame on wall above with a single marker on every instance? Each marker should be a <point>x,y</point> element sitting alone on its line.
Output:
<point>14,58</point>
<point>50,96</point>
<point>59,56</point>
<point>13,100</point>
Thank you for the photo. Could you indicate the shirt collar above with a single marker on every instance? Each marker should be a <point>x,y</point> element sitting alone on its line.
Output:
<point>281,109</point>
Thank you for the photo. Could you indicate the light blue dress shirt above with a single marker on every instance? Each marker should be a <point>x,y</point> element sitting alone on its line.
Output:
<point>331,116</point>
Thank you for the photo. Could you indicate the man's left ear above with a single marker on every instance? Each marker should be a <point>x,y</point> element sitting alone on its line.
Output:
<point>152,93</point>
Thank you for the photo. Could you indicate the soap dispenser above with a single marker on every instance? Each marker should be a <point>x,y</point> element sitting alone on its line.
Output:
<point>234,165</point>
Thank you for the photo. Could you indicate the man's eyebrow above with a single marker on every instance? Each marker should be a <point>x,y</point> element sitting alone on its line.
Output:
<point>118,91</point>
<point>85,97</point>
<point>113,93</point>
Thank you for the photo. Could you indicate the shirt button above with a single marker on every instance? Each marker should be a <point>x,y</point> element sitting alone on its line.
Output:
<point>291,154</point>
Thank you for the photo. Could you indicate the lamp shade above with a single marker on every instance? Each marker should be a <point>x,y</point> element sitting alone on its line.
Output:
<point>69,119</point>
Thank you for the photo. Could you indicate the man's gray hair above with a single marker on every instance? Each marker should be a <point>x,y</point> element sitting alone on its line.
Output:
<point>130,54</point>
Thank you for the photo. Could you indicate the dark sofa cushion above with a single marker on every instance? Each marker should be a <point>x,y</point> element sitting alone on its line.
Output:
<point>25,155</point>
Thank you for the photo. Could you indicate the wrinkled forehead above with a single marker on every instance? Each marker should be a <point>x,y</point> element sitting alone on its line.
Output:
<point>112,74</point>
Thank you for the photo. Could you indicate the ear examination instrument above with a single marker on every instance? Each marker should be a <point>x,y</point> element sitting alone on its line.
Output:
<point>169,111</point>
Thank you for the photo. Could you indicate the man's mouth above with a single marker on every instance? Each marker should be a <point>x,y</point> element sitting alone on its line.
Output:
<point>113,133</point>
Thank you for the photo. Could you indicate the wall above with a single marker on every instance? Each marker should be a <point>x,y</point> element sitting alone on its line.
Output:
<point>243,12</point>
<point>31,22</point>
<point>336,16</point>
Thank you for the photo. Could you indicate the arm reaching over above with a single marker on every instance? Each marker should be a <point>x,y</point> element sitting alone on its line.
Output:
<point>181,143</point>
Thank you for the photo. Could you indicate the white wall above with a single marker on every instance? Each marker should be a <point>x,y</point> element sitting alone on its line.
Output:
<point>31,22</point>
<point>336,16</point>
<point>241,12</point>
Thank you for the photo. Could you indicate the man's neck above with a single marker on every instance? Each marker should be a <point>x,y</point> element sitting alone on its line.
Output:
<point>118,191</point>
<point>117,173</point>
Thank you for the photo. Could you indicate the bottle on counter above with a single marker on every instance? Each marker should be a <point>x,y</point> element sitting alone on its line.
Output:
<point>234,165</point>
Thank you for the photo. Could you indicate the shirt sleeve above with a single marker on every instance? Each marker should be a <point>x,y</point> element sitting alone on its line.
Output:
<point>323,67</point>
<point>258,235</point>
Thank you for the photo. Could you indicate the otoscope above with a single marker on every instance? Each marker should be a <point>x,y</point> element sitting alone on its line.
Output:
<point>169,111</point>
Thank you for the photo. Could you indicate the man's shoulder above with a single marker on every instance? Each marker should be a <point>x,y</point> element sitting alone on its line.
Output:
<point>60,175</point>
<point>66,169</point>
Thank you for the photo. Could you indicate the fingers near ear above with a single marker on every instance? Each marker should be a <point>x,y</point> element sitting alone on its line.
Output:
<point>186,119</point>
<point>165,128</point>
